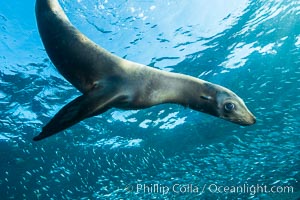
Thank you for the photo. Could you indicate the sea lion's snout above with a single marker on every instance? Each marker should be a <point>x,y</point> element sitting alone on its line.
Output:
<point>247,120</point>
<point>253,120</point>
<point>240,116</point>
<point>243,118</point>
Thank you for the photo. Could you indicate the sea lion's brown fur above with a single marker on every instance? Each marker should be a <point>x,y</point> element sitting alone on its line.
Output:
<point>107,80</point>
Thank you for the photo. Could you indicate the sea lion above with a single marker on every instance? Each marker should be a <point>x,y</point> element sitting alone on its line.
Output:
<point>106,80</point>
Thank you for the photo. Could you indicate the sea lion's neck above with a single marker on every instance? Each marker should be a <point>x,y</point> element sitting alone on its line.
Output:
<point>179,89</point>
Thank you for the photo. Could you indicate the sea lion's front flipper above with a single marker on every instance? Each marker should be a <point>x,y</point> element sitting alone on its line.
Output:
<point>82,107</point>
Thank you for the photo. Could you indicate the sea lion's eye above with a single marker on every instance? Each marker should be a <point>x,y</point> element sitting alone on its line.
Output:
<point>229,107</point>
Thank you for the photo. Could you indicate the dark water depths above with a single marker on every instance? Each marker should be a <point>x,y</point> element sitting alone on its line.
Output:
<point>251,47</point>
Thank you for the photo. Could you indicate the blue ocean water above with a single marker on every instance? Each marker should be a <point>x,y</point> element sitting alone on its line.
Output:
<point>251,47</point>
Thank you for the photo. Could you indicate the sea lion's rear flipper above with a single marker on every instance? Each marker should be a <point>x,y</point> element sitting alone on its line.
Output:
<point>82,107</point>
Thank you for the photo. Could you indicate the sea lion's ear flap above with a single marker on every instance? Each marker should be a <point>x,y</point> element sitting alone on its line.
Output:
<point>206,97</point>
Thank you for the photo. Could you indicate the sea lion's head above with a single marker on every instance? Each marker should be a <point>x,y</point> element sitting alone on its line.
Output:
<point>223,103</point>
<point>232,108</point>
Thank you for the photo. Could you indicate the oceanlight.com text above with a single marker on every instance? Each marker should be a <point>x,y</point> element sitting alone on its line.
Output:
<point>207,188</point>
<point>250,189</point>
